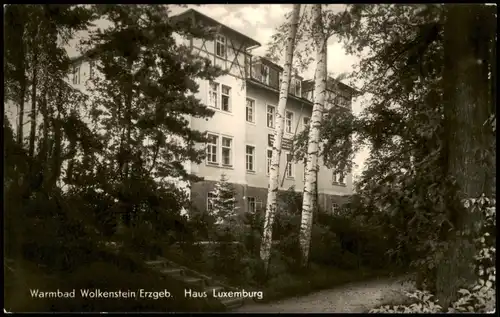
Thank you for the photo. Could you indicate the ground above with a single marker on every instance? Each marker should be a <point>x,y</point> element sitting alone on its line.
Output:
<point>352,298</point>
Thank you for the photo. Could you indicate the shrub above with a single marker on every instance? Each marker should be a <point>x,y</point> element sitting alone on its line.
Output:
<point>478,297</point>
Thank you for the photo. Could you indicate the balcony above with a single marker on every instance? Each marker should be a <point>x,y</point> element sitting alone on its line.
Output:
<point>265,72</point>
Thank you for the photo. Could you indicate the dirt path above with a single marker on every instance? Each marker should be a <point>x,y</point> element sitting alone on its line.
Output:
<point>352,298</point>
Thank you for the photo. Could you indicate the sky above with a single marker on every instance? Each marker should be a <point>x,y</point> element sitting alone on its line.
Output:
<point>259,22</point>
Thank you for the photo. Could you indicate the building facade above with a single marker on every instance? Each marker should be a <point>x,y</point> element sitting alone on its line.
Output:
<point>241,131</point>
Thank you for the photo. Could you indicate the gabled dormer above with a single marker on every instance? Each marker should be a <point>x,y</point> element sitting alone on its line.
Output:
<point>264,71</point>
<point>296,85</point>
<point>338,93</point>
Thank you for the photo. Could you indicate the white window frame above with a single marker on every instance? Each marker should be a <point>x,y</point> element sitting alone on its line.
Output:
<point>273,114</point>
<point>218,91</point>
<point>269,160</point>
<point>210,196</point>
<point>309,95</point>
<point>251,201</point>
<point>304,124</point>
<point>220,42</point>
<point>248,156</point>
<point>264,74</point>
<point>76,74</point>
<point>297,85</point>
<point>290,166</point>
<point>216,152</point>
<point>288,121</point>
<point>222,147</point>
<point>228,95</point>
<point>341,178</point>
<point>252,103</point>
<point>338,178</point>
<point>211,91</point>
<point>219,150</point>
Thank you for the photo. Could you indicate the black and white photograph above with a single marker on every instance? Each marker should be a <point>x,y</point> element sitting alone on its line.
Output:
<point>250,158</point>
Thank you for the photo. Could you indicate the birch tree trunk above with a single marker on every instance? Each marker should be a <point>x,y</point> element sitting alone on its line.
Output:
<point>265,250</point>
<point>313,141</point>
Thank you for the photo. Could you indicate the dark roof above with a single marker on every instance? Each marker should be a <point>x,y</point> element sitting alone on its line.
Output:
<point>188,13</point>
<point>343,86</point>
<point>290,96</point>
<point>197,14</point>
<point>268,62</point>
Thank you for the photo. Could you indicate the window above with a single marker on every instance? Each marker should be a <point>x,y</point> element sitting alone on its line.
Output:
<point>271,110</point>
<point>269,158</point>
<point>264,72</point>
<point>226,98</point>
<point>338,178</point>
<point>213,95</point>
<point>288,121</point>
<point>226,151</point>
<point>341,178</point>
<point>297,85</point>
<point>251,204</point>
<point>219,96</point>
<point>220,46</point>
<point>305,122</point>
<point>270,140</point>
<point>76,75</point>
<point>210,198</point>
<point>212,145</point>
<point>309,95</point>
<point>289,166</point>
<point>335,209</point>
<point>250,158</point>
<point>250,117</point>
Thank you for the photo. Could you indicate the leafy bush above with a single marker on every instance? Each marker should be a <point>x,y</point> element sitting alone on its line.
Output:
<point>480,296</point>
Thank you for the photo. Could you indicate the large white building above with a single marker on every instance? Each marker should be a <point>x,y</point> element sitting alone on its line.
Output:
<point>242,129</point>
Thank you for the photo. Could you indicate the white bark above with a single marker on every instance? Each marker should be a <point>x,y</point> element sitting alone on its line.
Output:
<point>308,203</point>
<point>265,249</point>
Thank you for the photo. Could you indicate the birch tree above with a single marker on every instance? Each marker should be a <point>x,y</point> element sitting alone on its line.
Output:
<point>273,187</point>
<point>320,42</point>
<point>317,25</point>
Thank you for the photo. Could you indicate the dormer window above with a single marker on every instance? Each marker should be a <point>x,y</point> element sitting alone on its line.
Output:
<point>220,46</point>
<point>296,86</point>
<point>264,73</point>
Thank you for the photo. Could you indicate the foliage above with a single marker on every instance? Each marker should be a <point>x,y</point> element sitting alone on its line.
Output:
<point>338,240</point>
<point>102,158</point>
<point>478,297</point>
<point>224,204</point>
<point>409,188</point>
<point>138,100</point>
